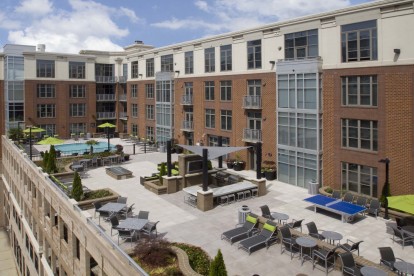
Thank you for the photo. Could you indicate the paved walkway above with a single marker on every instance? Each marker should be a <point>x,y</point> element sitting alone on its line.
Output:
<point>7,264</point>
<point>182,223</point>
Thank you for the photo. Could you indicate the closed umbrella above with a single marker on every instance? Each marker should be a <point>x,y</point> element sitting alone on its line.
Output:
<point>30,130</point>
<point>107,126</point>
<point>51,141</point>
<point>403,203</point>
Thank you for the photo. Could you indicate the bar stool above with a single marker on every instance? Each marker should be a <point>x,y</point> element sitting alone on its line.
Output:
<point>247,194</point>
<point>240,196</point>
<point>231,198</point>
<point>255,192</point>
<point>224,199</point>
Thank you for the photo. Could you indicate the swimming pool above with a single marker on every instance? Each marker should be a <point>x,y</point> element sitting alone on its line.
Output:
<point>82,147</point>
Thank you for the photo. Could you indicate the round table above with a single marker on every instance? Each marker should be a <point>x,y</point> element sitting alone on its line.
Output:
<point>372,271</point>
<point>308,243</point>
<point>332,236</point>
<point>280,216</point>
<point>404,267</point>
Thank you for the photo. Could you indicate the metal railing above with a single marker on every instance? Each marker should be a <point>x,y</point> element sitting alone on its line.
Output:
<point>122,79</point>
<point>252,102</point>
<point>105,97</point>
<point>105,79</point>
<point>105,115</point>
<point>123,115</point>
<point>187,125</point>
<point>187,100</point>
<point>123,97</point>
<point>252,135</point>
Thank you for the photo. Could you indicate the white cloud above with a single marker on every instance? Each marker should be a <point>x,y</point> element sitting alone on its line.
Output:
<point>8,23</point>
<point>202,5</point>
<point>34,7</point>
<point>175,24</point>
<point>130,14</point>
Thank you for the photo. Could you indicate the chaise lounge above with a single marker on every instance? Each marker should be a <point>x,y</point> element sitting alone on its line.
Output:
<point>243,231</point>
<point>265,237</point>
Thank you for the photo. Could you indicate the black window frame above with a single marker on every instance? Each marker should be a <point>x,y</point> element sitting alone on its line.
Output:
<point>45,68</point>
<point>254,54</point>
<point>301,45</point>
<point>167,63</point>
<point>77,70</point>
<point>226,61</point>
<point>189,62</point>
<point>353,33</point>
<point>210,60</point>
<point>149,67</point>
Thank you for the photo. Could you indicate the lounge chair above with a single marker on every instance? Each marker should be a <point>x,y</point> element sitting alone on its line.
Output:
<point>125,213</point>
<point>149,228</point>
<point>114,223</point>
<point>143,214</point>
<point>387,257</point>
<point>348,197</point>
<point>336,194</point>
<point>351,246</point>
<point>348,264</point>
<point>313,231</point>
<point>295,224</point>
<point>265,237</point>
<point>325,255</point>
<point>266,212</point>
<point>374,207</point>
<point>400,236</point>
<point>288,242</point>
<point>243,231</point>
<point>361,201</point>
<point>126,234</point>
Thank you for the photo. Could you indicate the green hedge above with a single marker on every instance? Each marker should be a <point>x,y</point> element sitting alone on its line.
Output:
<point>198,258</point>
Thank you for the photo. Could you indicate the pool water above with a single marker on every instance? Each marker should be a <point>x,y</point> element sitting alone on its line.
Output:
<point>82,147</point>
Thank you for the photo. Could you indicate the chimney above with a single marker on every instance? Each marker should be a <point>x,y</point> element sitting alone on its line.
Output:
<point>41,47</point>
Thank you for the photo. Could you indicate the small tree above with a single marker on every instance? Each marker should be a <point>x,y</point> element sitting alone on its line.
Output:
<point>45,161</point>
<point>51,161</point>
<point>217,266</point>
<point>15,133</point>
<point>77,191</point>
<point>163,171</point>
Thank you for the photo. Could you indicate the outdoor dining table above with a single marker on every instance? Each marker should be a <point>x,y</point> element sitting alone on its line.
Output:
<point>280,216</point>
<point>224,190</point>
<point>133,224</point>
<point>308,243</point>
<point>404,267</point>
<point>332,236</point>
<point>372,271</point>
<point>112,207</point>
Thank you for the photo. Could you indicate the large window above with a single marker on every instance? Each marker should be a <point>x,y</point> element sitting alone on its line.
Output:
<point>149,91</point>
<point>298,91</point>
<point>134,110</point>
<point>225,58</point>
<point>46,111</point>
<point>104,70</point>
<point>134,129</point>
<point>77,110</point>
<point>210,118</point>
<point>254,54</point>
<point>359,90</point>
<point>45,68</point>
<point>301,44</point>
<point>297,130</point>
<point>149,65</point>
<point>134,90</point>
<point>134,69</point>
<point>213,141</point>
<point>225,90</point>
<point>189,62</point>
<point>360,179</point>
<point>46,91</point>
<point>360,134</point>
<point>359,41</point>
<point>254,87</point>
<point>149,112</point>
<point>76,70</point>
<point>209,90</point>
<point>149,132</point>
<point>77,91</point>
<point>50,129</point>
<point>225,118</point>
<point>77,128</point>
<point>209,60</point>
<point>16,112</point>
<point>167,63</point>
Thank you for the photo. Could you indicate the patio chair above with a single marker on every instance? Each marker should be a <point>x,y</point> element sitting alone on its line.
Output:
<point>232,179</point>
<point>348,264</point>
<point>96,205</point>
<point>387,257</point>
<point>348,197</point>
<point>351,246</point>
<point>126,234</point>
<point>94,161</point>
<point>336,194</point>
<point>104,214</point>
<point>266,212</point>
<point>150,228</point>
<point>400,222</point>
<point>143,214</point>
<point>325,255</point>
<point>296,224</point>
<point>125,213</point>
<point>265,237</point>
<point>122,199</point>
<point>361,201</point>
<point>288,242</point>
<point>114,223</point>
<point>374,207</point>
<point>400,236</point>
<point>245,230</point>
<point>313,231</point>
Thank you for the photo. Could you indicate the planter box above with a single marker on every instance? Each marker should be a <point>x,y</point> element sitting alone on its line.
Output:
<point>88,204</point>
<point>239,166</point>
<point>230,165</point>
<point>155,188</point>
<point>270,175</point>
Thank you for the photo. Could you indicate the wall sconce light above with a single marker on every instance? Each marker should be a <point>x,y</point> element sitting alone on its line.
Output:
<point>397,51</point>
<point>177,72</point>
<point>140,75</point>
<point>272,62</point>
<point>264,84</point>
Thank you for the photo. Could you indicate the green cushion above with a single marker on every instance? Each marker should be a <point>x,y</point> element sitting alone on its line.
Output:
<point>251,219</point>
<point>269,227</point>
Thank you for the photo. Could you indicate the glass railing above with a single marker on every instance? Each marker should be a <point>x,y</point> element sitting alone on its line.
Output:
<point>252,135</point>
<point>252,102</point>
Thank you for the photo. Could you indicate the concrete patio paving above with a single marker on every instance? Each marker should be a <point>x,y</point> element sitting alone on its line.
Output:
<point>180,222</point>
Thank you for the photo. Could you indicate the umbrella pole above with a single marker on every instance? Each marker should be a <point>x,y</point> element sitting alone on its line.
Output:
<point>107,135</point>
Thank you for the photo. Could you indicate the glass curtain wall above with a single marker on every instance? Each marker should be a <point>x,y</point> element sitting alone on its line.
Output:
<point>164,107</point>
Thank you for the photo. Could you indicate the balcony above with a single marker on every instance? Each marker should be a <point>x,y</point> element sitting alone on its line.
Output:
<point>187,126</point>
<point>105,97</point>
<point>187,100</point>
<point>105,79</point>
<point>122,79</point>
<point>123,115</point>
<point>105,115</point>
<point>123,97</point>
<point>252,102</point>
<point>252,135</point>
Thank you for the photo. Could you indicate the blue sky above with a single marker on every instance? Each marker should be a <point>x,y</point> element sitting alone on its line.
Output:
<point>71,25</point>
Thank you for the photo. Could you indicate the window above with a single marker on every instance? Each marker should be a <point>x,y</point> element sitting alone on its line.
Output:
<point>134,110</point>
<point>149,112</point>
<point>134,128</point>
<point>77,128</point>
<point>76,70</point>
<point>209,90</point>
<point>360,134</point>
<point>359,41</point>
<point>149,65</point>
<point>209,60</point>
<point>225,90</point>
<point>298,90</point>
<point>46,111</point>
<point>50,129</point>
<point>125,71</point>
<point>359,90</point>
<point>134,91</point>
<point>210,118</point>
<point>150,133</point>
<point>45,68</point>
<point>225,118</point>
<point>225,58</point>
<point>77,91</point>
<point>65,233</point>
<point>16,112</point>
<point>301,44</point>
<point>167,63</point>
<point>297,130</point>
<point>77,246</point>
<point>149,91</point>
<point>77,110</point>
<point>360,179</point>
<point>254,87</point>
<point>189,62</point>
<point>254,54</point>
<point>134,69</point>
<point>104,70</point>
<point>46,91</point>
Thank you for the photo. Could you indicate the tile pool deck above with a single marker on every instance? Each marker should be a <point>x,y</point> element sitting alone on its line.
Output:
<point>183,223</point>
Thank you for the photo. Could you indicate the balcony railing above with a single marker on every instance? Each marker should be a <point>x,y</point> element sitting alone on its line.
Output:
<point>105,79</point>
<point>105,97</point>
<point>187,126</point>
<point>106,115</point>
<point>122,79</point>
<point>252,135</point>
<point>187,100</point>
<point>123,115</point>
<point>122,97</point>
<point>252,102</point>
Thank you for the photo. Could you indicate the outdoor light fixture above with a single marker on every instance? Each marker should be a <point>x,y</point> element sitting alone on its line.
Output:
<point>272,62</point>
<point>140,75</point>
<point>386,186</point>
<point>397,51</point>
<point>177,72</point>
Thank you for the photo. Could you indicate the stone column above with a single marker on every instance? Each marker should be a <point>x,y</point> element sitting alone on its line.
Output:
<point>205,200</point>
<point>261,185</point>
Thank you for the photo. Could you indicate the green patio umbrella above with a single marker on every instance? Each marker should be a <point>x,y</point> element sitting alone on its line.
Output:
<point>107,126</point>
<point>30,130</point>
<point>403,203</point>
<point>51,141</point>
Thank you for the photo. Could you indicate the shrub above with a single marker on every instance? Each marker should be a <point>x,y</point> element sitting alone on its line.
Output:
<point>163,171</point>
<point>45,160</point>
<point>97,194</point>
<point>198,258</point>
<point>217,267</point>
<point>154,252</point>
<point>51,161</point>
<point>329,190</point>
<point>77,190</point>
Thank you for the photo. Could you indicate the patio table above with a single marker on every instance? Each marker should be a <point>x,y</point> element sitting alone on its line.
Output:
<point>280,216</point>
<point>332,236</point>
<point>308,243</point>
<point>404,267</point>
<point>372,271</point>
<point>133,224</point>
<point>111,208</point>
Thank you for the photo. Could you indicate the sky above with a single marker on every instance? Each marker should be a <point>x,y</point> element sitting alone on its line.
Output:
<point>68,26</point>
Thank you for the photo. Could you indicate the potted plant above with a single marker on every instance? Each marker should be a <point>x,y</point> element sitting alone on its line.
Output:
<point>230,163</point>
<point>239,164</point>
<point>269,169</point>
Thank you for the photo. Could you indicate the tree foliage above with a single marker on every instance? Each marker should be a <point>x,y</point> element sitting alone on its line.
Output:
<point>51,166</point>
<point>77,191</point>
<point>45,161</point>
<point>217,266</point>
<point>15,133</point>
<point>163,171</point>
